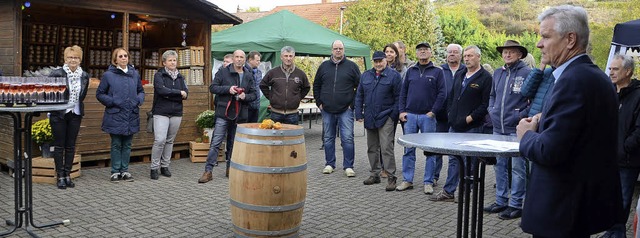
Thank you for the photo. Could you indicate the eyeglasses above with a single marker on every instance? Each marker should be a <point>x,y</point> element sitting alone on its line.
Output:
<point>73,58</point>
<point>123,56</point>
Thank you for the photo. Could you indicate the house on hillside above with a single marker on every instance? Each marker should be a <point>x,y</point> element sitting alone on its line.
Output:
<point>326,13</point>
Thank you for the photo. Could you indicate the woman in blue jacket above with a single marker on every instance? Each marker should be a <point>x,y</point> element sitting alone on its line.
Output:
<point>535,88</point>
<point>120,91</point>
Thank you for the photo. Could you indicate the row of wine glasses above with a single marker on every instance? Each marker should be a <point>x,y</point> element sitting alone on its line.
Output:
<point>32,90</point>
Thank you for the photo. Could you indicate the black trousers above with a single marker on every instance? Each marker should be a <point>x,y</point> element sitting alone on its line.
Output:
<point>253,115</point>
<point>65,129</point>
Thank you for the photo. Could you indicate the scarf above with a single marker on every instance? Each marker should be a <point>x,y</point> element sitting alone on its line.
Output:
<point>173,74</point>
<point>74,84</point>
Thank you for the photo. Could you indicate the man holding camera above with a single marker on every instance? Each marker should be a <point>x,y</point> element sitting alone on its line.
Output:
<point>234,89</point>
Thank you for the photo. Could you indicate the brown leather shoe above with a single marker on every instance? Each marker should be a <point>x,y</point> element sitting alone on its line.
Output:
<point>206,177</point>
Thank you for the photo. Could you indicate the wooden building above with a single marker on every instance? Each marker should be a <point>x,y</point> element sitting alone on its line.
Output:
<point>35,33</point>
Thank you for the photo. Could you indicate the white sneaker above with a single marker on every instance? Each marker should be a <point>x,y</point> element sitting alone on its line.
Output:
<point>428,189</point>
<point>349,172</point>
<point>327,169</point>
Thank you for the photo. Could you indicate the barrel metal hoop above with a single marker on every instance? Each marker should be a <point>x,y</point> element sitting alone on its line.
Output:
<point>258,208</point>
<point>267,132</point>
<point>267,233</point>
<point>268,170</point>
<point>270,142</point>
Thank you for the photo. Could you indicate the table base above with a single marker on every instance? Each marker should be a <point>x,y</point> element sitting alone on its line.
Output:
<point>23,195</point>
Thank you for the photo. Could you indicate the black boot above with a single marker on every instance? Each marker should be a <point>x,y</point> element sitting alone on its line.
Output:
<point>165,171</point>
<point>154,174</point>
<point>226,173</point>
<point>61,183</point>
<point>68,182</point>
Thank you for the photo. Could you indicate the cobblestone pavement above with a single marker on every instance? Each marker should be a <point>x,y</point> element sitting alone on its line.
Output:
<point>336,206</point>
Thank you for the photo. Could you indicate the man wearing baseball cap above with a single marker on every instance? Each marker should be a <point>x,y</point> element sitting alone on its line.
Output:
<point>422,96</point>
<point>379,90</point>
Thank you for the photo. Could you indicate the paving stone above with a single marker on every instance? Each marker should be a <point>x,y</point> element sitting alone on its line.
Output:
<point>336,206</point>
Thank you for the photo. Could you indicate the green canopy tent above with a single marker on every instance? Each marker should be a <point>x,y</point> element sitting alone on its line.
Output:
<point>269,34</point>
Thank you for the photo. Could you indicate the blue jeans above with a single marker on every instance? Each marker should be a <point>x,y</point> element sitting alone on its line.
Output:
<point>223,127</point>
<point>330,123</point>
<point>285,118</point>
<point>120,153</point>
<point>441,126</point>
<point>518,180</point>
<point>453,172</point>
<point>418,123</point>
<point>628,177</point>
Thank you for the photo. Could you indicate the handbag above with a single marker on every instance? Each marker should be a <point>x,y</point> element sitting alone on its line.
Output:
<point>150,122</point>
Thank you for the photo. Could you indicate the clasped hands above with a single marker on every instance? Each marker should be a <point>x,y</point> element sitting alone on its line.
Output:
<point>527,124</point>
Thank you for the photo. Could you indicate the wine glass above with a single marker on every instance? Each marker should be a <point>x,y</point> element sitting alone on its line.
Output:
<point>2,80</point>
<point>60,88</point>
<point>39,89</point>
<point>47,88</point>
<point>14,90</point>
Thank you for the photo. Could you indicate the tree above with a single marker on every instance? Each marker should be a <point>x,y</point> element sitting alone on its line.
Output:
<point>253,9</point>
<point>377,23</point>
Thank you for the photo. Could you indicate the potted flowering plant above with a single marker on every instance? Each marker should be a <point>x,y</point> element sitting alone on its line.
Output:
<point>41,135</point>
<point>206,120</point>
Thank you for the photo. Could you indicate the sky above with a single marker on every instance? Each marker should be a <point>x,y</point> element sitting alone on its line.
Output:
<point>264,5</point>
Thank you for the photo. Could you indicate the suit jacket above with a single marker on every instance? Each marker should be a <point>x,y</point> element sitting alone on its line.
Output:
<point>574,187</point>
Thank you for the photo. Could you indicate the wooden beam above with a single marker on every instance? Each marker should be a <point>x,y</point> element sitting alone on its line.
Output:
<point>125,32</point>
<point>17,67</point>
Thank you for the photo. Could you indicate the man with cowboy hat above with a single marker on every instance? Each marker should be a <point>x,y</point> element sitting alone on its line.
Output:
<point>506,108</point>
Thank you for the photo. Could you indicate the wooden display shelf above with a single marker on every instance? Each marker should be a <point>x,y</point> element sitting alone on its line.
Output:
<point>198,152</point>
<point>44,169</point>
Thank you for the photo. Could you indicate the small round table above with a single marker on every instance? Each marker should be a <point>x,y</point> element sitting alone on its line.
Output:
<point>454,144</point>
<point>23,203</point>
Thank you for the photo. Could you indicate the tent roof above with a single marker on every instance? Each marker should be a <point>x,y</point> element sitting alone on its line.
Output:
<point>627,34</point>
<point>272,32</point>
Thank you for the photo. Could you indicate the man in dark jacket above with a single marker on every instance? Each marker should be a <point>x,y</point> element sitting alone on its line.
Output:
<point>452,68</point>
<point>377,105</point>
<point>620,72</point>
<point>285,86</point>
<point>467,108</point>
<point>506,107</point>
<point>234,89</point>
<point>422,97</point>
<point>253,61</point>
<point>334,89</point>
<point>574,186</point>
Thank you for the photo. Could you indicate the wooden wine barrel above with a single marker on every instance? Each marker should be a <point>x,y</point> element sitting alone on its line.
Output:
<point>268,181</point>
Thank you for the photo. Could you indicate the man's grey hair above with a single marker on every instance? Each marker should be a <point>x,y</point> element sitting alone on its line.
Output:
<point>169,53</point>
<point>475,48</point>
<point>569,19</point>
<point>400,44</point>
<point>455,45</point>
<point>288,49</point>
<point>627,61</point>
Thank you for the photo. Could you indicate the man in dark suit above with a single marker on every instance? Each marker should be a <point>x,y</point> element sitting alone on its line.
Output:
<point>574,189</point>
